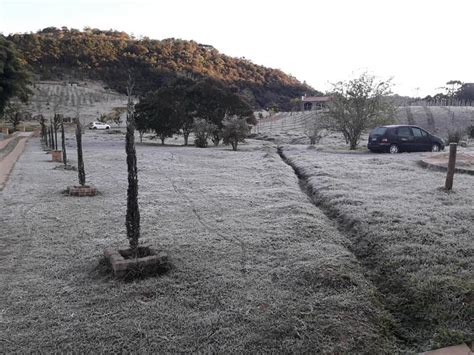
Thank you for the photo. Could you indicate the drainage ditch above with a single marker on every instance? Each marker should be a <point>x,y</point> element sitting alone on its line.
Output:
<point>362,248</point>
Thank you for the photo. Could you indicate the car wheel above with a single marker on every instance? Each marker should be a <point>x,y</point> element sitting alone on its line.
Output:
<point>107,127</point>
<point>94,128</point>
<point>394,149</point>
<point>435,148</point>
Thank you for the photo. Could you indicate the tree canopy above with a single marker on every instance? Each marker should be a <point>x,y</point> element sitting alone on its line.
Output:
<point>173,108</point>
<point>14,77</point>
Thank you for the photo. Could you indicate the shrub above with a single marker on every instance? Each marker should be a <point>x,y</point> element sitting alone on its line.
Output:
<point>202,131</point>
<point>235,130</point>
<point>315,128</point>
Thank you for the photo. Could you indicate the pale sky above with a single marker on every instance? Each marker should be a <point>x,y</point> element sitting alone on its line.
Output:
<point>421,44</point>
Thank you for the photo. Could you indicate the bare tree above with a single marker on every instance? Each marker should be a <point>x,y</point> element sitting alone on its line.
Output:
<point>51,135</point>
<point>12,114</point>
<point>57,120</point>
<point>63,142</point>
<point>55,102</point>
<point>359,104</point>
<point>132,220</point>
<point>48,137</point>
<point>42,122</point>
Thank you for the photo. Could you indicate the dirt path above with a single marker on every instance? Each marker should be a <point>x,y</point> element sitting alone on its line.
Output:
<point>8,162</point>
<point>464,162</point>
<point>4,142</point>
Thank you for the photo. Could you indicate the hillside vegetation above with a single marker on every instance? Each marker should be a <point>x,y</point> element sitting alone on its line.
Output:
<point>107,55</point>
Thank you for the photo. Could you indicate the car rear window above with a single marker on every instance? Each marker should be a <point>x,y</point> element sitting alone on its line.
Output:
<point>379,131</point>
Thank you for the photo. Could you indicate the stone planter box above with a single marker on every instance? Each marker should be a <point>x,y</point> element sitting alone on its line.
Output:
<point>57,156</point>
<point>150,262</point>
<point>80,191</point>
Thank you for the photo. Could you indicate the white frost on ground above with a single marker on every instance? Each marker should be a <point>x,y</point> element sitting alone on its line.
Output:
<point>256,265</point>
<point>415,239</point>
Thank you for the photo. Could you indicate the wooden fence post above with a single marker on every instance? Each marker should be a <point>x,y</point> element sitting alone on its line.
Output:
<point>451,166</point>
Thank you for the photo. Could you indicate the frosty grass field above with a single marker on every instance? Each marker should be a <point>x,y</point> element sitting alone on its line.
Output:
<point>383,264</point>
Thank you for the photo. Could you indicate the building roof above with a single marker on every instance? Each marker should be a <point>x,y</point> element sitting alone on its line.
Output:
<point>315,98</point>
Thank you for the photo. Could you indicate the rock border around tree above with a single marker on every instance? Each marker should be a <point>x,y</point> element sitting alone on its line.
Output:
<point>82,190</point>
<point>147,263</point>
<point>56,156</point>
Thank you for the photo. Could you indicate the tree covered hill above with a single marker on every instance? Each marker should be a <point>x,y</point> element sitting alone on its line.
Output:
<point>57,53</point>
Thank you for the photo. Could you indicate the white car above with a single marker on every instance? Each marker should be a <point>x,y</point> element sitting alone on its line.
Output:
<point>98,125</point>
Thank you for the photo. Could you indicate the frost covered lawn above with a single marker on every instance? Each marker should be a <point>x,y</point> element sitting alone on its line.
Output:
<point>415,240</point>
<point>256,265</point>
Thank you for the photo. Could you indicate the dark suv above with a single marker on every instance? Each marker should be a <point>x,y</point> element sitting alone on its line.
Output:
<point>398,138</point>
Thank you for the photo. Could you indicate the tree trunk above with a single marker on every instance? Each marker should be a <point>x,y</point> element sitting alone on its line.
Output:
<point>63,143</point>
<point>132,221</point>
<point>80,161</point>
<point>186,136</point>
<point>234,145</point>
<point>141,135</point>
<point>51,136</point>
<point>353,144</point>
<point>46,136</point>
<point>451,166</point>
<point>42,132</point>
<point>55,137</point>
<point>312,140</point>
<point>162,140</point>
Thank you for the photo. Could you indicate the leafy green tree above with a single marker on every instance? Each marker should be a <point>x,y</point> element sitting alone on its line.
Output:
<point>141,124</point>
<point>159,113</point>
<point>14,78</point>
<point>173,108</point>
<point>360,104</point>
<point>234,130</point>
<point>466,93</point>
<point>183,108</point>
<point>213,101</point>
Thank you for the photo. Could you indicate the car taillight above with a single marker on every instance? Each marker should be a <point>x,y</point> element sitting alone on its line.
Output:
<point>384,140</point>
